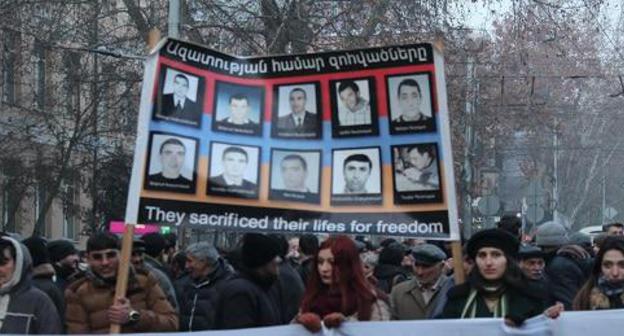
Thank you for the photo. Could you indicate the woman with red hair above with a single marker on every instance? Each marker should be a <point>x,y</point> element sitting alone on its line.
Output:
<point>337,290</point>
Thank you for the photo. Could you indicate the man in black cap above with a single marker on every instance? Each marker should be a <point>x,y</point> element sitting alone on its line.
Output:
<point>43,273</point>
<point>245,301</point>
<point>155,246</point>
<point>531,261</point>
<point>64,258</point>
<point>138,261</point>
<point>418,297</point>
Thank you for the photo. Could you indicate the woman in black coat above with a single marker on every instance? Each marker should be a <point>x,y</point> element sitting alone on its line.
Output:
<point>496,287</point>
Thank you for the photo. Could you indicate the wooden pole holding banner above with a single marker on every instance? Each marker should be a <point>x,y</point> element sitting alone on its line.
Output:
<point>456,247</point>
<point>126,244</point>
<point>458,263</point>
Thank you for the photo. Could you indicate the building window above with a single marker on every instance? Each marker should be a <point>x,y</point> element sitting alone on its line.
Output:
<point>9,60</point>
<point>72,83</point>
<point>40,73</point>
<point>40,199</point>
<point>69,197</point>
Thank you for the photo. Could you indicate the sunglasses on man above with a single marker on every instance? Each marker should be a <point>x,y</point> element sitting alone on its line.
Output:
<point>99,256</point>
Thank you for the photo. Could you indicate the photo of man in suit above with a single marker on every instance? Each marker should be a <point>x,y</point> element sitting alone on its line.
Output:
<point>299,118</point>
<point>294,118</point>
<point>177,106</point>
<point>172,156</point>
<point>234,162</point>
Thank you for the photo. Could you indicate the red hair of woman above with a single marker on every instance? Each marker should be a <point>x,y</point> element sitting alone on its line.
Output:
<point>349,291</point>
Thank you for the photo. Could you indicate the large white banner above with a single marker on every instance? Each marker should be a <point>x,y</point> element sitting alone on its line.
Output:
<point>595,323</point>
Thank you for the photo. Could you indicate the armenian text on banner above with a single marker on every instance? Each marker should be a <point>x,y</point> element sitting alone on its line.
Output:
<point>352,142</point>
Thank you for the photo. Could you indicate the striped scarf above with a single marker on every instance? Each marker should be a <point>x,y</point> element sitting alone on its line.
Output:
<point>470,308</point>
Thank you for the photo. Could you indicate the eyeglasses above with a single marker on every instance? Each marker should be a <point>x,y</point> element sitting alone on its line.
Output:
<point>99,256</point>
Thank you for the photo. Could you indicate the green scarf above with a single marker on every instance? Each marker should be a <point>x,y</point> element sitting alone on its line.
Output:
<point>470,308</point>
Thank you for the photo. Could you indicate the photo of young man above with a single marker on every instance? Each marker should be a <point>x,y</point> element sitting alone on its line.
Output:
<point>238,109</point>
<point>295,175</point>
<point>234,170</point>
<point>180,99</point>
<point>297,112</point>
<point>172,164</point>
<point>356,176</point>
<point>410,104</point>
<point>416,173</point>
<point>354,108</point>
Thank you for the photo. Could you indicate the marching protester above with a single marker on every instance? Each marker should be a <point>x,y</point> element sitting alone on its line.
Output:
<point>24,309</point>
<point>155,248</point>
<point>370,260</point>
<point>91,303</point>
<point>605,287</point>
<point>245,301</point>
<point>64,258</point>
<point>390,271</point>
<point>308,246</point>
<point>207,274</point>
<point>337,290</point>
<point>532,264</point>
<point>138,262</point>
<point>424,295</point>
<point>567,266</point>
<point>288,289</point>
<point>43,273</point>
<point>613,229</point>
<point>496,287</point>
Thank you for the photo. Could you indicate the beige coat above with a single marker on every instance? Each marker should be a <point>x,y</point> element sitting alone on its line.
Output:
<point>407,302</point>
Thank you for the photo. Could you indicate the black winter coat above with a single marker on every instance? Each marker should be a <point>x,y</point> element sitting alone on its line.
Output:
<point>522,304</point>
<point>390,275</point>
<point>199,299</point>
<point>287,292</point>
<point>566,277</point>
<point>43,279</point>
<point>244,303</point>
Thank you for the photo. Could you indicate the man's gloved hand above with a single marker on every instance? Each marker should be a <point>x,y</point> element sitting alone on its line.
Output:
<point>333,320</point>
<point>310,321</point>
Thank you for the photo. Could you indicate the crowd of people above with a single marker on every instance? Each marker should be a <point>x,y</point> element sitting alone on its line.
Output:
<point>49,287</point>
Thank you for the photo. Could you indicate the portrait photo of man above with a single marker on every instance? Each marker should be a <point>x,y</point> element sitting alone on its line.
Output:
<point>181,98</point>
<point>295,175</point>
<point>234,170</point>
<point>354,111</point>
<point>238,108</point>
<point>172,163</point>
<point>410,104</point>
<point>416,172</point>
<point>356,176</point>
<point>297,112</point>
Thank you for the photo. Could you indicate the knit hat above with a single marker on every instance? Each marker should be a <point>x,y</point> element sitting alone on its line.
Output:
<point>392,254</point>
<point>138,246</point>
<point>59,249</point>
<point>551,234</point>
<point>496,238</point>
<point>581,239</point>
<point>530,251</point>
<point>427,254</point>
<point>38,250</point>
<point>258,250</point>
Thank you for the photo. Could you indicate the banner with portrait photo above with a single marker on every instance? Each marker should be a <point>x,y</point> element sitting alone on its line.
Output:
<point>352,142</point>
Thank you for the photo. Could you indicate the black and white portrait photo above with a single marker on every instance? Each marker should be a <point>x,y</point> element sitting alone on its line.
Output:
<point>410,103</point>
<point>354,109</point>
<point>234,170</point>
<point>356,176</point>
<point>295,175</point>
<point>416,173</point>
<point>172,163</point>
<point>180,97</point>
<point>238,108</point>
<point>297,111</point>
